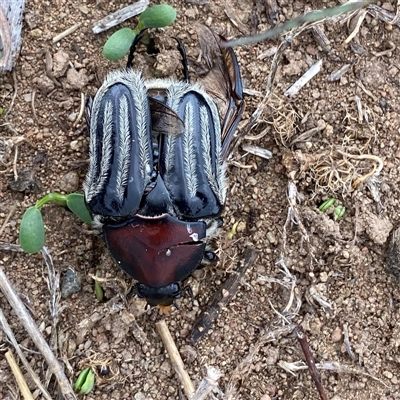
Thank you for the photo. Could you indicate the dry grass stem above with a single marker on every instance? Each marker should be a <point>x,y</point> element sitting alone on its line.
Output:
<point>384,15</point>
<point>271,77</point>
<point>293,217</point>
<point>257,151</point>
<point>67,32</point>
<point>30,326</point>
<point>10,247</point>
<point>296,366</point>
<point>19,377</point>
<point>10,335</point>
<point>81,110</point>
<point>235,20</point>
<point>242,369</point>
<point>303,80</point>
<point>360,18</point>
<point>347,342</point>
<point>208,384</point>
<point>119,16</point>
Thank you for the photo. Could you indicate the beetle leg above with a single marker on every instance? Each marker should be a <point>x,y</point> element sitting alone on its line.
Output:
<point>132,49</point>
<point>182,51</point>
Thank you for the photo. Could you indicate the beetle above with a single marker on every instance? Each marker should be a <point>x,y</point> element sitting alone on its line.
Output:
<point>156,179</point>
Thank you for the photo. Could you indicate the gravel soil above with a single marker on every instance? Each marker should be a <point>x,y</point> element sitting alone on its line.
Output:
<point>339,137</point>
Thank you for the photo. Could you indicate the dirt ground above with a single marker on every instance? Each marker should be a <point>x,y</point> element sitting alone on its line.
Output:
<point>335,138</point>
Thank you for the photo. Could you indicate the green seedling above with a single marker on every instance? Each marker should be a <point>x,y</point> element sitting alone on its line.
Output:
<point>85,382</point>
<point>1,110</point>
<point>98,291</point>
<point>119,43</point>
<point>31,232</point>
<point>327,204</point>
<point>339,211</point>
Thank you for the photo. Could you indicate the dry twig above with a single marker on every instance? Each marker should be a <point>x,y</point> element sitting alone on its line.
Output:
<point>174,356</point>
<point>316,376</point>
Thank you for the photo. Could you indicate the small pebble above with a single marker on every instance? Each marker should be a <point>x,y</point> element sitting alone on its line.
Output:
<point>69,182</point>
<point>323,276</point>
<point>74,145</point>
<point>271,237</point>
<point>72,116</point>
<point>388,374</point>
<point>28,97</point>
<point>71,283</point>
<point>337,335</point>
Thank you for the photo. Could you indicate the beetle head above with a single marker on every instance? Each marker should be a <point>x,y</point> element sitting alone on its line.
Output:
<point>155,296</point>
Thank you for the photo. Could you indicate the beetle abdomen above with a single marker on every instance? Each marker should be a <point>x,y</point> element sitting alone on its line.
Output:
<point>121,156</point>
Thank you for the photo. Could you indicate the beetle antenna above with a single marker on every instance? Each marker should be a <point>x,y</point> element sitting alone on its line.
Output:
<point>132,49</point>
<point>182,52</point>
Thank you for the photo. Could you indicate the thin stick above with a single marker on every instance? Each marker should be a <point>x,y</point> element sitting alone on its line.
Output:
<point>30,326</point>
<point>7,330</point>
<point>21,382</point>
<point>310,362</point>
<point>176,360</point>
<point>222,297</point>
<point>314,70</point>
<point>120,16</point>
<point>67,32</point>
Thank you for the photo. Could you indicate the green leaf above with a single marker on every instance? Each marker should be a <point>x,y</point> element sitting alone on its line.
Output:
<point>89,383</point>
<point>76,203</point>
<point>85,382</point>
<point>339,211</point>
<point>1,108</point>
<point>31,231</point>
<point>158,16</point>
<point>118,44</point>
<point>326,204</point>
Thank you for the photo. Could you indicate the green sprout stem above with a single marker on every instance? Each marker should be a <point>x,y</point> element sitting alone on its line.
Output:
<point>54,198</point>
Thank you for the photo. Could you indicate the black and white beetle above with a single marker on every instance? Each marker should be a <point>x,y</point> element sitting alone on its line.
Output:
<point>156,179</point>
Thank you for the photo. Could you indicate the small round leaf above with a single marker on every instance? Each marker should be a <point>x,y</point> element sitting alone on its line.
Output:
<point>76,203</point>
<point>118,44</point>
<point>158,16</point>
<point>31,231</point>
